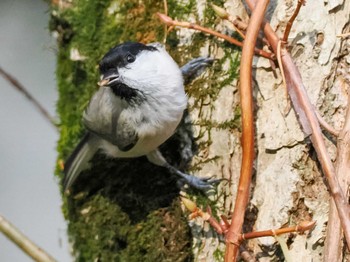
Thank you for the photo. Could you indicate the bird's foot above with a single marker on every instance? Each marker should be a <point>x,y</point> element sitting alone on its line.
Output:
<point>195,67</point>
<point>203,184</point>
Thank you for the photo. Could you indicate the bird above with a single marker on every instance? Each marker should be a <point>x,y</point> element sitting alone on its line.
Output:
<point>137,107</point>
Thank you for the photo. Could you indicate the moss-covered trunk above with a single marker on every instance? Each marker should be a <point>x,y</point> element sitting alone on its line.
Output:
<point>124,210</point>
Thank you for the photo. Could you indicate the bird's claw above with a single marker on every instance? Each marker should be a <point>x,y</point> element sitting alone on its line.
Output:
<point>201,183</point>
<point>195,67</point>
<point>204,184</point>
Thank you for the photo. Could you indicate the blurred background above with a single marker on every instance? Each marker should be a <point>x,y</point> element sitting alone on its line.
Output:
<point>29,195</point>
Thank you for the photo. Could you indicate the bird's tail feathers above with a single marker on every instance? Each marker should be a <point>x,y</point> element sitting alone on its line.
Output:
<point>78,161</point>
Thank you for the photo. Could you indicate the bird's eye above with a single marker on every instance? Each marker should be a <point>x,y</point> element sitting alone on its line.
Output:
<point>130,58</point>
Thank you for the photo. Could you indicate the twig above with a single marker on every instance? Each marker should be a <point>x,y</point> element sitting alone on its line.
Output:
<point>237,29</point>
<point>223,14</point>
<point>333,248</point>
<point>170,22</point>
<point>300,228</point>
<point>345,35</point>
<point>334,243</point>
<point>165,3</point>
<point>291,20</point>
<point>325,125</point>
<point>246,97</point>
<point>308,120</point>
<point>23,242</point>
<point>207,216</point>
<point>223,227</point>
<point>15,83</point>
<point>279,60</point>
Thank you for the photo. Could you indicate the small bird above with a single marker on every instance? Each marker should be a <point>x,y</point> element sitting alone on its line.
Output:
<point>138,106</point>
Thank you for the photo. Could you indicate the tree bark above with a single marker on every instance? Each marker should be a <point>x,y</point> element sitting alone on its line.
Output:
<point>129,210</point>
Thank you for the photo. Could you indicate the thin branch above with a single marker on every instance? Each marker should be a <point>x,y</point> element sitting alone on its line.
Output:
<point>223,227</point>
<point>308,121</point>
<point>246,97</point>
<point>325,125</point>
<point>279,60</point>
<point>345,35</point>
<point>237,24</point>
<point>207,216</point>
<point>165,3</point>
<point>334,243</point>
<point>300,228</point>
<point>23,242</point>
<point>15,83</point>
<point>170,22</point>
<point>291,20</point>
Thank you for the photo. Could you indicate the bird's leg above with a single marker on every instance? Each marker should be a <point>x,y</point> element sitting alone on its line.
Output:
<point>203,184</point>
<point>190,71</point>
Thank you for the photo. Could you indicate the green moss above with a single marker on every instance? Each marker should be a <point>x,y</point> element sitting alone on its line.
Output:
<point>122,210</point>
<point>99,227</point>
<point>103,232</point>
<point>145,238</point>
<point>219,255</point>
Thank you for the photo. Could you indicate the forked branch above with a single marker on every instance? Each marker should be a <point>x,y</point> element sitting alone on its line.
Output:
<point>334,243</point>
<point>172,23</point>
<point>246,96</point>
<point>310,125</point>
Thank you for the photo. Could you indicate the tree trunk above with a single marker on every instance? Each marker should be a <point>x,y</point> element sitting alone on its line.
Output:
<point>129,210</point>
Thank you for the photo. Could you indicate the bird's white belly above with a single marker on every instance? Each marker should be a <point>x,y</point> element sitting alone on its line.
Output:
<point>148,141</point>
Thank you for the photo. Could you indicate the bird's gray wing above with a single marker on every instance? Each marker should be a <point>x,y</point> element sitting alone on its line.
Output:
<point>109,122</point>
<point>121,134</point>
<point>125,137</point>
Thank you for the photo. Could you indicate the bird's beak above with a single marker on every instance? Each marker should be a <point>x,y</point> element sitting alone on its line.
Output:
<point>107,80</point>
<point>103,82</point>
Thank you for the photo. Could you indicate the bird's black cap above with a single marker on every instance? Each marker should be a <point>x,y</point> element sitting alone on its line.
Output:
<point>122,54</point>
